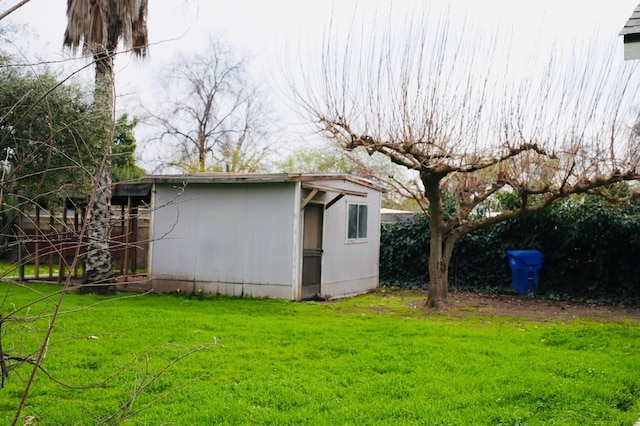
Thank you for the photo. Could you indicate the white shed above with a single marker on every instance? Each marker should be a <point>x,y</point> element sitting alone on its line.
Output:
<point>631,34</point>
<point>288,236</point>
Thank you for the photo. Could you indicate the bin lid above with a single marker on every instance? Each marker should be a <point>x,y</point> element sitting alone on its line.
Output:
<point>524,252</point>
<point>526,257</point>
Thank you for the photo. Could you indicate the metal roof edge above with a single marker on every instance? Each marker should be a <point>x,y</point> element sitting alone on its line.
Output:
<point>202,178</point>
<point>349,178</point>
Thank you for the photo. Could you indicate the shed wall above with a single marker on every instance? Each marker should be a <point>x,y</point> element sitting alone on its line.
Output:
<point>632,50</point>
<point>226,238</point>
<point>351,267</point>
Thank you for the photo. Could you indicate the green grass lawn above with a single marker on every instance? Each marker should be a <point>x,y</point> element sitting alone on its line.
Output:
<point>10,269</point>
<point>362,361</point>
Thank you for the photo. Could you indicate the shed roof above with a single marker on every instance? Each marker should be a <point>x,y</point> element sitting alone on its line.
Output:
<point>263,178</point>
<point>633,24</point>
<point>124,193</point>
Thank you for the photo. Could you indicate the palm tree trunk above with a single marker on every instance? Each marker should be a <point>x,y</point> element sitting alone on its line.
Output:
<point>98,269</point>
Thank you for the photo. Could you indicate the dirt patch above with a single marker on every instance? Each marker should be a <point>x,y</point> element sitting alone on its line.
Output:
<point>464,304</point>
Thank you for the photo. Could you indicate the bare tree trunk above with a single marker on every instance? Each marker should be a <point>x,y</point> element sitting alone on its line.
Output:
<point>202,156</point>
<point>98,271</point>
<point>438,270</point>
<point>438,259</point>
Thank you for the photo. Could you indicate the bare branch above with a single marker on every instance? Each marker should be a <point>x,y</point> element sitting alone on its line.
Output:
<point>13,9</point>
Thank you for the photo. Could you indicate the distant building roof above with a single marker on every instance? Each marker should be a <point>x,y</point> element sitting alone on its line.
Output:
<point>394,211</point>
<point>631,34</point>
<point>633,24</point>
<point>394,216</point>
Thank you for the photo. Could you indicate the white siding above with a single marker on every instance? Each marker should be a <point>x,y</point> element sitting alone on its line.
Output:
<point>230,238</point>
<point>632,50</point>
<point>350,267</point>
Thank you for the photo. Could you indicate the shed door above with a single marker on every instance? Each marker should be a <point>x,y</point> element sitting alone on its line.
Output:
<point>312,250</point>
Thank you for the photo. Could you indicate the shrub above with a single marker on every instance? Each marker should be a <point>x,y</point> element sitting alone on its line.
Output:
<point>590,249</point>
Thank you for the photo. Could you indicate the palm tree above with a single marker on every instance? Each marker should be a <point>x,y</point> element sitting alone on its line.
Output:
<point>97,27</point>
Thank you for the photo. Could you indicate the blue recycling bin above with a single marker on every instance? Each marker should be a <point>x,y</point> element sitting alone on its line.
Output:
<point>525,265</point>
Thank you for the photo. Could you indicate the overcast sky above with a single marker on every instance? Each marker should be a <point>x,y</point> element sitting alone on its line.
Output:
<point>272,29</point>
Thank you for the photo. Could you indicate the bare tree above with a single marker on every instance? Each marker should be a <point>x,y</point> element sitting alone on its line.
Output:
<point>329,158</point>
<point>215,119</point>
<point>97,27</point>
<point>439,104</point>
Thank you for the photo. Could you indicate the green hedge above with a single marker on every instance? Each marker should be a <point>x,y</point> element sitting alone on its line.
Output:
<point>591,251</point>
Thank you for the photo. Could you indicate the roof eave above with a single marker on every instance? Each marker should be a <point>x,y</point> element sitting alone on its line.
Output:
<point>203,178</point>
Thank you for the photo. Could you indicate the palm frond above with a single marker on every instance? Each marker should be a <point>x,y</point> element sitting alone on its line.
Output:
<point>77,23</point>
<point>100,24</point>
<point>131,15</point>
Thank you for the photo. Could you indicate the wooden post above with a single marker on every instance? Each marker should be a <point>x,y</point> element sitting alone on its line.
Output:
<point>21,236</point>
<point>62,263</point>
<point>37,244</point>
<point>50,240</point>
<point>133,221</point>
<point>123,240</point>
<point>76,234</point>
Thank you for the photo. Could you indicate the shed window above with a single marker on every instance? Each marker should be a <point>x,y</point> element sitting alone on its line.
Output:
<point>357,229</point>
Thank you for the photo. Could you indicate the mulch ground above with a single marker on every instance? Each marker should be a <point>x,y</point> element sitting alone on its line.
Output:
<point>463,304</point>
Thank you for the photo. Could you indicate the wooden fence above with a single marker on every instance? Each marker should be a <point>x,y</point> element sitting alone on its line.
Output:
<point>51,242</point>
